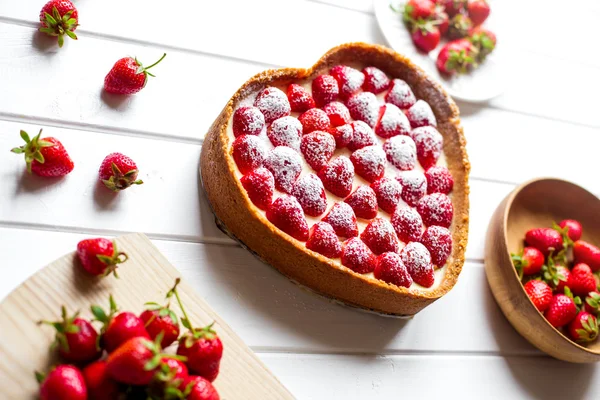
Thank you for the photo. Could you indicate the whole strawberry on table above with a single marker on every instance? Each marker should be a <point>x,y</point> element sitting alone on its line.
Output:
<point>561,275</point>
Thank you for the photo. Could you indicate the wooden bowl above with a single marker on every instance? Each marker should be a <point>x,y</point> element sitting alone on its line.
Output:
<point>537,204</point>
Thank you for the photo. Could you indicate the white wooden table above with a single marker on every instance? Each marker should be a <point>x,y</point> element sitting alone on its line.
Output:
<point>546,123</point>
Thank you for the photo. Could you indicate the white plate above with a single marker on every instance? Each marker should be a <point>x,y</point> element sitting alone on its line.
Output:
<point>481,84</point>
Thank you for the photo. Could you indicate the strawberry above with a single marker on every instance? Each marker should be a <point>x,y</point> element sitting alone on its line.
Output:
<point>45,157</point>
<point>317,148</point>
<point>592,302</point>
<point>338,113</point>
<point>417,259</point>
<point>362,136</point>
<point>325,89</point>
<point>418,9</point>
<point>390,268</point>
<point>357,256</point>
<point>323,240</point>
<point>391,122</point>
<point>453,7</point>
<point>562,275</point>
<point>408,224</point>
<point>343,135</point>
<point>439,180</point>
<point>168,379</point>
<point>286,214</point>
<point>584,252</point>
<point>428,142</point>
<point>420,114</point>
<point>387,191</point>
<point>529,262</point>
<point>364,202</point>
<point>584,328</point>
<point>285,164</point>
<point>135,361</point>
<point>118,172</point>
<point>539,293</point>
<point>545,240</point>
<point>76,338</point>
<point>457,56</point>
<point>376,81</point>
<point>438,242</point>
<point>401,151</point>
<point>561,311</point>
<point>247,121</point>
<point>310,193</point>
<point>349,80</point>
<point>99,385</point>
<point>273,103</point>
<point>249,153</point>
<point>300,99</point>
<point>479,11</point>
<point>118,328</point>
<point>100,256</point>
<point>436,209</point>
<point>426,36</point>
<point>128,76</point>
<point>442,20</point>
<point>314,119</point>
<point>364,106</point>
<point>380,236</point>
<point>400,95</point>
<point>484,41</point>
<point>414,186</point>
<point>369,162</point>
<point>160,319</point>
<point>573,228</point>
<point>337,176</point>
<point>342,219</point>
<point>260,186</point>
<point>581,280</point>
<point>59,18</point>
<point>459,27</point>
<point>65,382</point>
<point>198,388</point>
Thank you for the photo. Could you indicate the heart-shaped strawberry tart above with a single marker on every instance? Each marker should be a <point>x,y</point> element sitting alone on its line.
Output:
<point>350,177</point>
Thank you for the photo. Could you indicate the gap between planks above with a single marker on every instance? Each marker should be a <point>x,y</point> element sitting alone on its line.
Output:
<point>283,352</point>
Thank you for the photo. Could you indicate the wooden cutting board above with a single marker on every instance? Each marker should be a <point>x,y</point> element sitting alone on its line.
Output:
<point>146,276</point>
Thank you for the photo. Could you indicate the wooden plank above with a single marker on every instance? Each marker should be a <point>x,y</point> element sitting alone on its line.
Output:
<point>147,276</point>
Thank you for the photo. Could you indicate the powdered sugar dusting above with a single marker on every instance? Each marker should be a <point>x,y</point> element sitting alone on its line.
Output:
<point>369,162</point>
<point>388,192</point>
<point>438,241</point>
<point>343,135</point>
<point>273,103</point>
<point>285,165</point>
<point>248,152</point>
<point>285,131</point>
<point>310,193</point>
<point>436,209</point>
<point>417,260</point>
<point>408,224</point>
<point>429,144</point>
<point>420,114</point>
<point>364,107</point>
<point>401,151</point>
<point>380,236</point>
<point>349,79</point>
<point>341,217</point>
<point>376,81</point>
<point>392,122</point>
<point>248,121</point>
<point>362,136</point>
<point>357,256</point>
<point>400,95</point>
<point>414,186</point>
<point>364,202</point>
<point>317,148</point>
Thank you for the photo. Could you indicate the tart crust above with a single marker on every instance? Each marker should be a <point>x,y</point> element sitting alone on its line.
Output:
<point>232,206</point>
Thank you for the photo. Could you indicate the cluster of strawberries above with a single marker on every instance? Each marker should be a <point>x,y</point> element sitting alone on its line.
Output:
<point>460,21</point>
<point>125,360</point>
<point>558,270</point>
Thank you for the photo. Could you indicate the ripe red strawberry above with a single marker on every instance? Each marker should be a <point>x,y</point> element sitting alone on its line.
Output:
<point>391,122</point>
<point>357,256</point>
<point>387,191</point>
<point>45,157</point>
<point>426,36</point>
<point>161,320</point>
<point>408,224</point>
<point>376,81</point>
<point>479,11</point>
<point>364,106</point>
<point>421,114</point>
<point>390,268</point>
<point>324,241</point>
<point>247,121</point>
<point>135,361</point>
<point>118,328</point>
<point>436,209</point>
<point>529,262</point>
<point>584,328</point>
<point>249,153</point>
<point>362,136</point>
<point>540,294</point>
<point>438,242</point>
<point>414,186</point>
<point>349,80</point>
<point>401,151</point>
<point>453,7</point>
<point>317,148</point>
<point>99,385</point>
<point>65,382</point>
<point>364,202</point>
<point>118,172</point>
<point>76,338</point>
<point>545,240</point>
<point>324,89</point>
<point>561,311</point>
<point>581,280</point>
<point>380,236</point>
<point>203,349</point>
<point>168,379</point>
<point>338,113</point>
<point>459,27</point>
<point>592,302</point>
<point>369,162</point>
<point>198,388</point>
<point>429,145</point>
<point>273,103</point>
<point>310,193</point>
<point>314,119</point>
<point>59,18</point>
<point>343,135</point>
<point>285,164</point>
<point>300,99</point>
<point>584,252</point>
<point>128,76</point>
<point>441,20</point>
<point>562,275</point>
<point>439,180</point>
<point>286,214</point>
<point>458,56</point>
<point>418,9</point>
<point>100,256</point>
<point>285,131</point>
<point>573,228</point>
<point>337,176</point>
<point>484,41</point>
<point>342,219</point>
<point>260,186</point>
<point>400,95</point>
<point>417,259</point>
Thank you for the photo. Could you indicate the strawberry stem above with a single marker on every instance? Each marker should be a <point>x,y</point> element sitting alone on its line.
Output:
<point>174,291</point>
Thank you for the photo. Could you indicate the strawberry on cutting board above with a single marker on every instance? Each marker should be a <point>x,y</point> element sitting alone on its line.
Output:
<point>100,256</point>
<point>128,76</point>
<point>59,18</point>
<point>63,382</point>
<point>45,157</point>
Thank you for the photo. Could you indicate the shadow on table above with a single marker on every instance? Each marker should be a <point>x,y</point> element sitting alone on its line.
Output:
<point>31,183</point>
<point>118,102</point>
<point>104,198</point>
<point>44,43</point>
